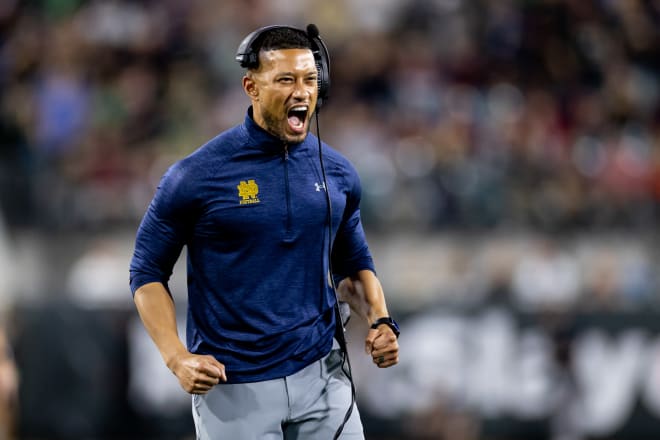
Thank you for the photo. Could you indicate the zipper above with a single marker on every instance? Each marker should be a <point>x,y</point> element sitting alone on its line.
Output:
<point>287,192</point>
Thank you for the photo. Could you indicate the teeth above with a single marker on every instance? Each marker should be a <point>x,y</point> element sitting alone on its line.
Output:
<point>300,108</point>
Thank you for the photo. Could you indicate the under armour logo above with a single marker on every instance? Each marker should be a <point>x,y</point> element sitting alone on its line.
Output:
<point>319,187</point>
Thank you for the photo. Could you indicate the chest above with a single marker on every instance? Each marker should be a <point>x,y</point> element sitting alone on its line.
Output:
<point>282,195</point>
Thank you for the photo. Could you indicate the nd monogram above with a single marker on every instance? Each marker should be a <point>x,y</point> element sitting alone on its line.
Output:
<point>248,192</point>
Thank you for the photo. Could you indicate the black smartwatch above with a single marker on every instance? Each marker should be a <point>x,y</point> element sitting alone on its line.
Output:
<point>391,323</point>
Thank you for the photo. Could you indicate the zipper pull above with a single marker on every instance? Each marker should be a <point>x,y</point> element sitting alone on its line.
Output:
<point>286,151</point>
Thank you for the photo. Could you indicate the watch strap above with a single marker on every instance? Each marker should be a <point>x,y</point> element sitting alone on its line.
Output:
<point>389,321</point>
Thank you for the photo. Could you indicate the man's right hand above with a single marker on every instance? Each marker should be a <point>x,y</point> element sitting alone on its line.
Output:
<point>197,374</point>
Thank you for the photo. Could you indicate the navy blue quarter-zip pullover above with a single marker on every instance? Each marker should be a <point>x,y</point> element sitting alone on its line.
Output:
<point>252,212</point>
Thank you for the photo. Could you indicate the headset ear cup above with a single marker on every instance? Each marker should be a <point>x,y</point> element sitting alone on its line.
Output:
<point>246,56</point>
<point>322,60</point>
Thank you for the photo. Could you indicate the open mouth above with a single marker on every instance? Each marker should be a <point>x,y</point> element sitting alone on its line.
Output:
<point>297,116</point>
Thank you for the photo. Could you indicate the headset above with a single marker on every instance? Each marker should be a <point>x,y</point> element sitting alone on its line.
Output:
<point>248,57</point>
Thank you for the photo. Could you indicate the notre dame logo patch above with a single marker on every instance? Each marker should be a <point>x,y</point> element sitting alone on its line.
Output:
<point>248,192</point>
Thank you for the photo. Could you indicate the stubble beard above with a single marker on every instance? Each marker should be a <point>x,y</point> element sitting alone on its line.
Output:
<point>275,127</point>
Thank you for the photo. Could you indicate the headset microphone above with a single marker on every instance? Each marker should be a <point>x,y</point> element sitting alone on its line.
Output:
<point>312,30</point>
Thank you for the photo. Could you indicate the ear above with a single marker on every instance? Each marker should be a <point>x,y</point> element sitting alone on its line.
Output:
<point>250,87</point>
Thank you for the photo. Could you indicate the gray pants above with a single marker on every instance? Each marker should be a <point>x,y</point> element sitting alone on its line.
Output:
<point>310,404</point>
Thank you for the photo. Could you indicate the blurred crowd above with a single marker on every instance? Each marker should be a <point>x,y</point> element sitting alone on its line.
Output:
<point>459,114</point>
<point>462,117</point>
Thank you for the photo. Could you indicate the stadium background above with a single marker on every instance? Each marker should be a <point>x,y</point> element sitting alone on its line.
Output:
<point>510,156</point>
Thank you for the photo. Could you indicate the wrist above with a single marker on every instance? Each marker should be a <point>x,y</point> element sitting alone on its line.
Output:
<point>388,321</point>
<point>172,358</point>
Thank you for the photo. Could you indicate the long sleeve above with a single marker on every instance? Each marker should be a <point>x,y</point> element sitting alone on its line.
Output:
<point>351,251</point>
<point>163,231</point>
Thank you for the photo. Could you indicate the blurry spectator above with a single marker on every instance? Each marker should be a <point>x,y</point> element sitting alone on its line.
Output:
<point>8,369</point>
<point>8,389</point>
<point>16,167</point>
<point>62,96</point>
<point>8,278</point>
<point>601,278</point>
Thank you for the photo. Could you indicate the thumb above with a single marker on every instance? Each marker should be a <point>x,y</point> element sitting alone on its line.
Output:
<point>369,342</point>
<point>219,367</point>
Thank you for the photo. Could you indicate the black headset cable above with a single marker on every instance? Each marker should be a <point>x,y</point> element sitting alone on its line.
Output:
<point>346,362</point>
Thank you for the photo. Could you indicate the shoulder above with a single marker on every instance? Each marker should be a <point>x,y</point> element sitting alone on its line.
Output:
<point>332,157</point>
<point>338,168</point>
<point>204,162</point>
<point>208,156</point>
<point>342,166</point>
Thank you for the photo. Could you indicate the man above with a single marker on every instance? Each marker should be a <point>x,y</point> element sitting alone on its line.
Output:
<point>262,360</point>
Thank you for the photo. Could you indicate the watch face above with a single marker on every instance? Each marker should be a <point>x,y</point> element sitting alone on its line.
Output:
<point>391,323</point>
<point>395,327</point>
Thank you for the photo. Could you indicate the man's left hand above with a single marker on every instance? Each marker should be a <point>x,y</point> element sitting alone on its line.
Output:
<point>383,347</point>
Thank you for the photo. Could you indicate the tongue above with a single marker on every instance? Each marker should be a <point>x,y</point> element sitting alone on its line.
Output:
<point>295,123</point>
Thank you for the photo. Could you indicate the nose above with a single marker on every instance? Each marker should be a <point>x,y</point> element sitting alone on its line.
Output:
<point>301,90</point>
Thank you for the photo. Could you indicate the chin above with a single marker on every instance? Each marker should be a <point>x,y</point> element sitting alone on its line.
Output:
<point>294,138</point>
